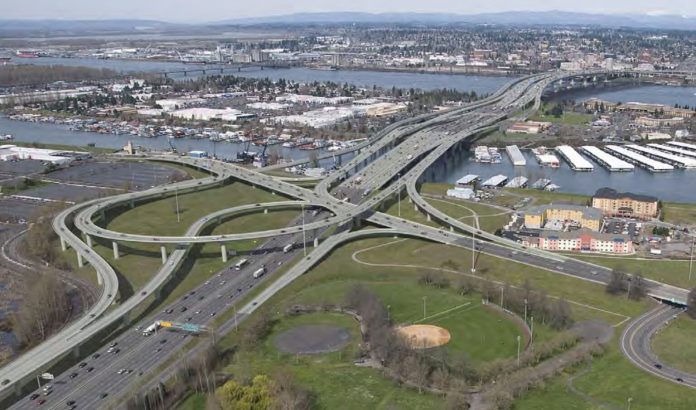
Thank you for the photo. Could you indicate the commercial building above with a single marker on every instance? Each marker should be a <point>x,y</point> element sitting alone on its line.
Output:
<point>461,193</point>
<point>529,127</point>
<point>625,204</point>
<point>58,158</point>
<point>585,241</point>
<point>582,216</point>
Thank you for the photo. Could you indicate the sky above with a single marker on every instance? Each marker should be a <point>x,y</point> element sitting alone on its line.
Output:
<point>196,11</point>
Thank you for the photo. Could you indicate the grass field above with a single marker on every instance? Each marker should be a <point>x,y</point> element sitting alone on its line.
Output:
<point>547,197</point>
<point>567,118</point>
<point>673,272</point>
<point>676,344</point>
<point>274,219</point>
<point>409,212</point>
<point>679,214</point>
<point>159,216</point>
<point>490,218</point>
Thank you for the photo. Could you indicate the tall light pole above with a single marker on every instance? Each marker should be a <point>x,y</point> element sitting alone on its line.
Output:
<point>424,299</point>
<point>502,296</point>
<point>531,331</point>
<point>234,307</point>
<point>304,234</point>
<point>473,252</point>
<point>630,399</point>
<point>691,258</point>
<point>176,196</point>
<point>525,310</point>
<point>398,183</point>
<point>518,350</point>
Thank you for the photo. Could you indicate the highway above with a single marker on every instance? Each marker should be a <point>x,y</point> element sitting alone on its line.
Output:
<point>636,345</point>
<point>400,154</point>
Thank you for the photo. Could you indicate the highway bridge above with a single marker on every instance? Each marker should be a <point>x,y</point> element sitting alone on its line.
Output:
<point>392,161</point>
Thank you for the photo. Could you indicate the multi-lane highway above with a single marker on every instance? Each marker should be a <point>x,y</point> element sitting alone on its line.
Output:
<point>392,161</point>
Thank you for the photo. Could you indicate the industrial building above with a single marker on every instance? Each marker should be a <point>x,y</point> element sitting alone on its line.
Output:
<point>625,204</point>
<point>58,158</point>
<point>581,216</point>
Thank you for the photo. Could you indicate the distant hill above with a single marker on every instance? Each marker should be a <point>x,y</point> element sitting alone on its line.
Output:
<point>502,18</point>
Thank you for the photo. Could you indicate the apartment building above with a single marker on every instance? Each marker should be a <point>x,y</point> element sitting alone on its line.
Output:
<point>625,204</point>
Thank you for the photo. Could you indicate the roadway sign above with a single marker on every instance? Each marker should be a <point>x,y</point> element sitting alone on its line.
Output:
<point>47,376</point>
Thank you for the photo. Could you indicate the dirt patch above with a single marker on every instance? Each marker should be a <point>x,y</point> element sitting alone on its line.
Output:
<point>425,336</point>
<point>590,330</point>
<point>312,339</point>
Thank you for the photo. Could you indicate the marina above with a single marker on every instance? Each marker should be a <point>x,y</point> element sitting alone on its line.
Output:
<point>680,144</point>
<point>541,183</point>
<point>495,181</point>
<point>517,182</point>
<point>674,150</point>
<point>468,179</point>
<point>639,159</point>
<point>673,159</point>
<point>576,161</point>
<point>609,161</point>
<point>516,156</point>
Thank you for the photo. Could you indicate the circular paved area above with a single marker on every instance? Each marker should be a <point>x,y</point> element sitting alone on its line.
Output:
<point>312,339</point>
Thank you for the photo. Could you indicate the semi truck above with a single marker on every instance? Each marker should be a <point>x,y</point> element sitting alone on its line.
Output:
<point>287,248</point>
<point>240,264</point>
<point>259,272</point>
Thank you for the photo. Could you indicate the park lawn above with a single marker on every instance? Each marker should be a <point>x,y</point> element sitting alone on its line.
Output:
<point>542,197</point>
<point>675,345</point>
<point>274,219</point>
<point>195,401</point>
<point>409,212</point>
<point>567,118</point>
<point>159,216</point>
<point>64,147</point>
<point>480,333</point>
<point>490,219</point>
<point>673,272</point>
<point>333,378</point>
<point>679,214</point>
<point>553,395</point>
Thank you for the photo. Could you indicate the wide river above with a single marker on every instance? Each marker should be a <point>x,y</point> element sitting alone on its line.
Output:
<point>667,186</point>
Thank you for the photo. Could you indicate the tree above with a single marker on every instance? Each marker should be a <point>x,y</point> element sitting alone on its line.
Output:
<point>561,315</point>
<point>44,309</point>
<point>617,282</point>
<point>638,288</point>
<point>257,396</point>
<point>691,303</point>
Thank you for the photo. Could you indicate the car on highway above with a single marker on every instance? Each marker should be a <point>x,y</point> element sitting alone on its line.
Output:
<point>81,365</point>
<point>73,375</point>
<point>89,369</point>
<point>103,395</point>
<point>95,356</point>
<point>658,366</point>
<point>679,379</point>
<point>70,402</point>
<point>34,396</point>
<point>40,402</point>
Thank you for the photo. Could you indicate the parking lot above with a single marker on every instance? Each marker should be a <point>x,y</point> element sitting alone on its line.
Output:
<point>135,175</point>
<point>623,227</point>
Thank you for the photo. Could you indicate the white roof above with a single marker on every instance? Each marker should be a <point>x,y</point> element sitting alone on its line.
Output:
<point>575,159</point>
<point>611,161</point>
<point>651,163</point>
<point>685,162</point>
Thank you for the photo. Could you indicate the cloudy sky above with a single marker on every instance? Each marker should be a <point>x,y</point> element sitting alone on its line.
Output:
<point>215,10</point>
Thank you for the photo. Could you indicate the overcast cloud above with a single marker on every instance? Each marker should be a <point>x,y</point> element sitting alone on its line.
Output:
<point>215,10</point>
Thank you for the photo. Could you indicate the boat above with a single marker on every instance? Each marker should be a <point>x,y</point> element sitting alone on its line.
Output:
<point>6,137</point>
<point>481,154</point>
<point>288,144</point>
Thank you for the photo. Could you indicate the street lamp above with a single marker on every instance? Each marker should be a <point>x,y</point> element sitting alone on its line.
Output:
<point>691,258</point>
<point>630,399</point>
<point>502,297</point>
<point>518,350</point>
<point>473,252</point>
<point>399,189</point>
<point>424,299</point>
<point>525,310</point>
<point>304,234</point>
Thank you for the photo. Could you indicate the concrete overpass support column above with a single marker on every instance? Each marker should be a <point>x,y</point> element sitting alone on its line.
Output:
<point>223,251</point>
<point>428,217</point>
<point>415,208</point>
<point>132,203</point>
<point>316,241</point>
<point>99,279</point>
<point>80,261</point>
<point>265,210</point>
<point>102,215</point>
<point>89,240</point>
<point>451,228</point>
<point>114,246</point>
<point>163,249</point>
<point>63,245</point>
<point>410,200</point>
<point>356,222</point>
<point>76,352</point>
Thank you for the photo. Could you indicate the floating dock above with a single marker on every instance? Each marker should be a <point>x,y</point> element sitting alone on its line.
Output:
<point>517,182</point>
<point>673,159</point>
<point>495,181</point>
<point>467,179</point>
<point>548,160</point>
<point>609,161</point>
<point>639,159</point>
<point>516,156</point>
<point>684,145</point>
<point>576,161</point>
<point>541,183</point>
<point>674,150</point>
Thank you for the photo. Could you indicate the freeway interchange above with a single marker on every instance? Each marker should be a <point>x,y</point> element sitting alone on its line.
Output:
<point>392,161</point>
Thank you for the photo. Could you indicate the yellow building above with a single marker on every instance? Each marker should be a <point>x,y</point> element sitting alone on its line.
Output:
<point>625,204</point>
<point>585,217</point>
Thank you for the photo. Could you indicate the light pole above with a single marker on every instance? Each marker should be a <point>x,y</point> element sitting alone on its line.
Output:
<point>525,310</point>
<point>630,399</point>
<point>304,234</point>
<point>388,313</point>
<point>518,350</point>
<point>691,258</point>
<point>502,297</point>
<point>424,299</point>
<point>176,196</point>
<point>234,307</point>
<point>399,189</point>
<point>473,252</point>
<point>531,331</point>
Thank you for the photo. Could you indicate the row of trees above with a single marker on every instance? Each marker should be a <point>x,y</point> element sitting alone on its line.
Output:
<point>524,299</point>
<point>26,74</point>
<point>621,283</point>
